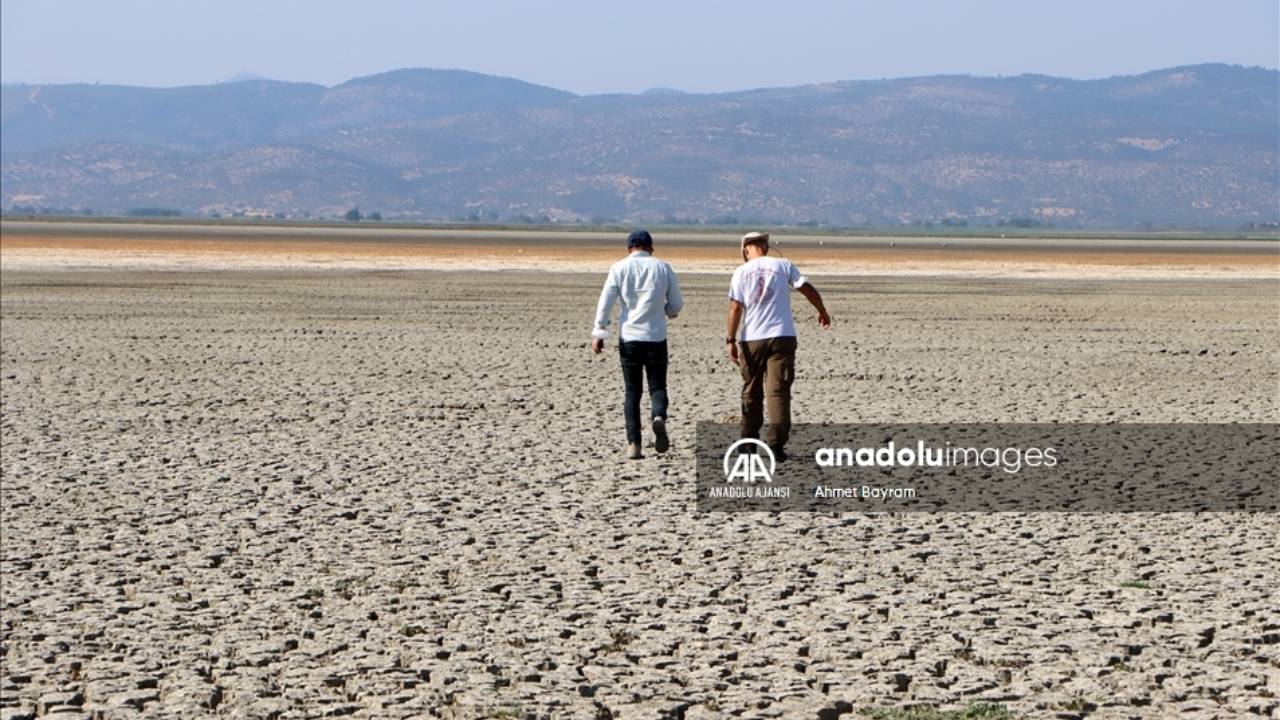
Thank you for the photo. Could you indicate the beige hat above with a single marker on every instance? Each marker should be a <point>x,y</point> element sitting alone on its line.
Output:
<point>753,237</point>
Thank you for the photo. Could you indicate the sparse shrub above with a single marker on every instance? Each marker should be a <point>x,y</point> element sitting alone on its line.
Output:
<point>977,711</point>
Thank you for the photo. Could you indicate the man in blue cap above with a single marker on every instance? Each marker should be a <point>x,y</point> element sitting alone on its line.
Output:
<point>648,293</point>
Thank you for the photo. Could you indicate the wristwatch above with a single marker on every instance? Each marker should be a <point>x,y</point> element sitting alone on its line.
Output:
<point>731,341</point>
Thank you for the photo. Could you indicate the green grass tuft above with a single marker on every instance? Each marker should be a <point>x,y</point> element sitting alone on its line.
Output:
<point>977,711</point>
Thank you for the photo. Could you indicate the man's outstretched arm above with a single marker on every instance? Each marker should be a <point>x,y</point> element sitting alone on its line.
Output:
<point>735,319</point>
<point>811,294</point>
<point>675,300</point>
<point>604,307</point>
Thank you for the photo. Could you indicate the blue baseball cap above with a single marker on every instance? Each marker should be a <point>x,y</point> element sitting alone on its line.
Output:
<point>639,238</point>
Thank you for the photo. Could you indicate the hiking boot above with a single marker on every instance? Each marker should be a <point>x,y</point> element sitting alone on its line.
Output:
<point>633,451</point>
<point>661,442</point>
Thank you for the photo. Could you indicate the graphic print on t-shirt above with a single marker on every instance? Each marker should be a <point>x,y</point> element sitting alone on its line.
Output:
<point>764,288</point>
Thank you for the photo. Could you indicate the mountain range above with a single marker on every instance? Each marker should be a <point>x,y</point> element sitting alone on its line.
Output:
<point>1193,146</point>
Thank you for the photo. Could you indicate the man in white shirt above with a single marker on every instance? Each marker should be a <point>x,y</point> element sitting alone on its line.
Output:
<point>647,290</point>
<point>760,303</point>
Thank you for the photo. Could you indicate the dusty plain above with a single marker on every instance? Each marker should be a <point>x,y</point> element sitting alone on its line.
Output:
<point>281,478</point>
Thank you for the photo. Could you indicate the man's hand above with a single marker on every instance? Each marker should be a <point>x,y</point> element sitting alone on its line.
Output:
<point>597,345</point>
<point>815,299</point>
<point>733,352</point>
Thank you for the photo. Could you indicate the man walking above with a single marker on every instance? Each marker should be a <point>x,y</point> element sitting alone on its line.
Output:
<point>648,292</point>
<point>760,302</point>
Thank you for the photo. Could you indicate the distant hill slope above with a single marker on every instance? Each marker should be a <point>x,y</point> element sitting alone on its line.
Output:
<point>1189,146</point>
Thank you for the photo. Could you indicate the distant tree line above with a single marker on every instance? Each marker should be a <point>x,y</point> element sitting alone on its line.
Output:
<point>354,215</point>
<point>944,222</point>
<point>1020,223</point>
<point>44,210</point>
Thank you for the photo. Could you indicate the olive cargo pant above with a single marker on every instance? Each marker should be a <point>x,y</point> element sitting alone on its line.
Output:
<point>768,367</point>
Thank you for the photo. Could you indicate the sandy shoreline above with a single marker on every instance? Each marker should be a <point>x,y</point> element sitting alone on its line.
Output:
<point>44,246</point>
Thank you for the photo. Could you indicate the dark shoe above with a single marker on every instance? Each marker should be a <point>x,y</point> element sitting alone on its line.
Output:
<point>633,451</point>
<point>661,442</point>
<point>779,455</point>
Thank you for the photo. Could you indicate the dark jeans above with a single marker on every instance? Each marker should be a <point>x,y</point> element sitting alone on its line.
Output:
<point>649,358</point>
<point>768,367</point>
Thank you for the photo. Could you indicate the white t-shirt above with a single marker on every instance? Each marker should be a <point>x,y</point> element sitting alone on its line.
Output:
<point>763,287</point>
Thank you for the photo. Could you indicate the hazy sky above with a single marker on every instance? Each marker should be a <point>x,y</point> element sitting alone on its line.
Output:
<point>592,46</point>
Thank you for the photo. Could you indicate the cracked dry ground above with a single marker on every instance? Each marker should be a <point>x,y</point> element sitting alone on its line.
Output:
<point>289,495</point>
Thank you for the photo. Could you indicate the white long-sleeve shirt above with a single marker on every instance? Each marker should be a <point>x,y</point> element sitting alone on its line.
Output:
<point>648,292</point>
